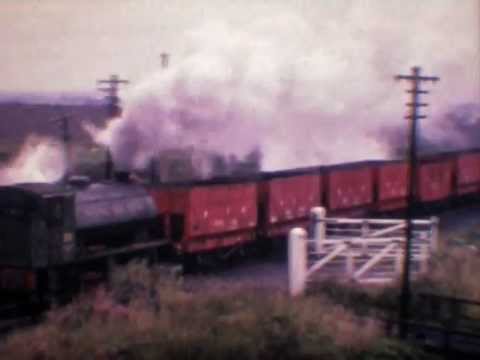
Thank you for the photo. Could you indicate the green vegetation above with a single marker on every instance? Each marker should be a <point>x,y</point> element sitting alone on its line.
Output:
<point>144,315</point>
<point>452,272</point>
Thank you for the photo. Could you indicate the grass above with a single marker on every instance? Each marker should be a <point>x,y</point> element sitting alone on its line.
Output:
<point>145,315</point>
<point>453,272</point>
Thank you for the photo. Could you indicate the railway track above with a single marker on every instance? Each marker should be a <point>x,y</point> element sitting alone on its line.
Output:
<point>450,342</point>
<point>15,317</point>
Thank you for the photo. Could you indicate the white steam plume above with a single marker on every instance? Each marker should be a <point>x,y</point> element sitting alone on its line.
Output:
<point>304,91</point>
<point>39,160</point>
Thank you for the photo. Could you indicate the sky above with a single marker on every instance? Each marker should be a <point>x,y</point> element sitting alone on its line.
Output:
<point>66,45</point>
<point>55,45</point>
<point>306,81</point>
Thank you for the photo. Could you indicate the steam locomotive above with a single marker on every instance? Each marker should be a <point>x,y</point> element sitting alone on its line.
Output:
<point>51,234</point>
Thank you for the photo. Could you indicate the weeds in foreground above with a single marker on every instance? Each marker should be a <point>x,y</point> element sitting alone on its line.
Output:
<point>452,273</point>
<point>146,316</point>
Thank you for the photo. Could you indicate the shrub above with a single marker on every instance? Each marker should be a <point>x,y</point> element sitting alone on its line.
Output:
<point>144,315</point>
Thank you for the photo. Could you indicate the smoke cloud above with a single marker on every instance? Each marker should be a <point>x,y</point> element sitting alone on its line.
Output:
<point>458,129</point>
<point>39,160</point>
<point>304,90</point>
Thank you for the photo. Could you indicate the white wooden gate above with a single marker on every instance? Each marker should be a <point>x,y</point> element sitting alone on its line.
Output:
<point>361,250</point>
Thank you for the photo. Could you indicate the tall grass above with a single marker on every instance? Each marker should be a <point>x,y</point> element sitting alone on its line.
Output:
<point>453,272</point>
<point>144,315</point>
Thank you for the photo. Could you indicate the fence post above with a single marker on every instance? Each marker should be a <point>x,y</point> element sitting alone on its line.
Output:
<point>297,261</point>
<point>434,242</point>
<point>318,215</point>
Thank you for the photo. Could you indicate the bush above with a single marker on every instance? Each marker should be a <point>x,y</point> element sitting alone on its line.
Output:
<point>453,272</point>
<point>144,315</point>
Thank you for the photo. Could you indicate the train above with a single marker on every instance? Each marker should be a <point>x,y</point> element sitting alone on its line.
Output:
<point>53,234</point>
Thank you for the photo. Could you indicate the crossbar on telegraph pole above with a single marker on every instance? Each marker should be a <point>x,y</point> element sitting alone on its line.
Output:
<point>113,101</point>
<point>415,79</point>
<point>114,109</point>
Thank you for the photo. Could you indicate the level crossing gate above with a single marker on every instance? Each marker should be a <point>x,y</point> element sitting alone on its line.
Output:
<point>360,250</point>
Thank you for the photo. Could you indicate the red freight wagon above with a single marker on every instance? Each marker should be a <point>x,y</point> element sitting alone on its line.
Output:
<point>162,199</point>
<point>205,218</point>
<point>287,202</point>
<point>350,187</point>
<point>392,186</point>
<point>468,173</point>
<point>435,180</point>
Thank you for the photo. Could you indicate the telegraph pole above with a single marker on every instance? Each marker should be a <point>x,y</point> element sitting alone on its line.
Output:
<point>415,79</point>
<point>64,122</point>
<point>113,101</point>
<point>165,59</point>
<point>154,176</point>
<point>114,109</point>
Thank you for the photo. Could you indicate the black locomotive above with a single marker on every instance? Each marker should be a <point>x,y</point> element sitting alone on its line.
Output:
<point>50,234</point>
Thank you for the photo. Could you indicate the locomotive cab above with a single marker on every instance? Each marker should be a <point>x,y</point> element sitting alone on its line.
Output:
<point>36,225</point>
<point>45,228</point>
<point>36,232</point>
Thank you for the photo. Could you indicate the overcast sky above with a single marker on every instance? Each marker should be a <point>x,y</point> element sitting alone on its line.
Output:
<point>65,45</point>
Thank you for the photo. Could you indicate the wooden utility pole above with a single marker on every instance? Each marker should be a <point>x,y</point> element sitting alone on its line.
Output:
<point>415,79</point>
<point>165,59</point>
<point>154,176</point>
<point>114,109</point>
<point>113,101</point>
<point>66,138</point>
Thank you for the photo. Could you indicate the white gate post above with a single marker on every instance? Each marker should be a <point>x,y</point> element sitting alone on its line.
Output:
<point>318,215</point>
<point>297,261</point>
